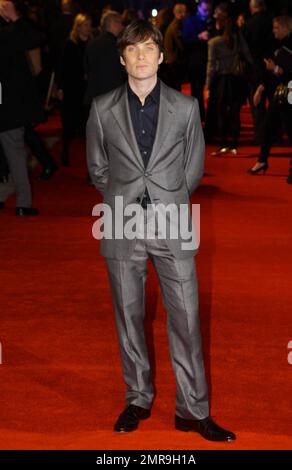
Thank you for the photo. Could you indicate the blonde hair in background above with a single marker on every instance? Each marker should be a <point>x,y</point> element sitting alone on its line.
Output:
<point>108,17</point>
<point>79,19</point>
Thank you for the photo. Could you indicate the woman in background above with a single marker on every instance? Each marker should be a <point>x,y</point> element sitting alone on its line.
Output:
<point>73,83</point>
<point>230,85</point>
<point>275,83</point>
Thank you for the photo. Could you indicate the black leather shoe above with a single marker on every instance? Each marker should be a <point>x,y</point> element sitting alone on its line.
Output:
<point>2,205</point>
<point>129,420</point>
<point>47,174</point>
<point>65,160</point>
<point>4,179</point>
<point>206,427</point>
<point>26,211</point>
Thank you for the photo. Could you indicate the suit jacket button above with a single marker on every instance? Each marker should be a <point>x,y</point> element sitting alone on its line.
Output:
<point>138,200</point>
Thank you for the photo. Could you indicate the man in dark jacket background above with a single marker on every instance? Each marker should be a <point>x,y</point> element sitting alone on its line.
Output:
<point>102,62</point>
<point>195,36</point>
<point>19,100</point>
<point>257,32</point>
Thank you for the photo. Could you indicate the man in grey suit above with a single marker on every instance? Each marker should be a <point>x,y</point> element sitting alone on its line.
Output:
<point>145,144</point>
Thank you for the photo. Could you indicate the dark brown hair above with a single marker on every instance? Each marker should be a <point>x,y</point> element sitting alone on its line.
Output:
<point>139,31</point>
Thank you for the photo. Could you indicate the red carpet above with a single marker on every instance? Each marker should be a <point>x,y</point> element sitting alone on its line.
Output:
<point>61,383</point>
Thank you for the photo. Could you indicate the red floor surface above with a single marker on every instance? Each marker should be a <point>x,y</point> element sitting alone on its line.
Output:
<point>61,382</point>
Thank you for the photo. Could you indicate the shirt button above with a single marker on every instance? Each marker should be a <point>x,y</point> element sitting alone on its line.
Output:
<point>146,174</point>
<point>143,132</point>
<point>145,152</point>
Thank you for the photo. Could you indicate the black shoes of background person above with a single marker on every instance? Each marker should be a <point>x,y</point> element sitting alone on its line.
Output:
<point>47,173</point>
<point>26,212</point>
<point>206,427</point>
<point>129,419</point>
<point>4,179</point>
<point>23,211</point>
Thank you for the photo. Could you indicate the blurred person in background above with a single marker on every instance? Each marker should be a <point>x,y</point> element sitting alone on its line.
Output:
<point>240,20</point>
<point>221,12</point>
<point>102,63</point>
<point>257,32</point>
<point>195,36</point>
<point>278,76</point>
<point>20,104</point>
<point>58,34</point>
<point>174,50</point>
<point>163,19</point>
<point>231,87</point>
<point>129,15</point>
<point>73,83</point>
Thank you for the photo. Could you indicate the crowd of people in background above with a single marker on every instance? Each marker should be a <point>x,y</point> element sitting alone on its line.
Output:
<point>67,55</point>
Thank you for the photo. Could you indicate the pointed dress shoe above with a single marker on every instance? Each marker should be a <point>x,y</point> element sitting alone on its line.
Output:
<point>206,427</point>
<point>129,420</point>
<point>26,211</point>
<point>258,168</point>
<point>220,151</point>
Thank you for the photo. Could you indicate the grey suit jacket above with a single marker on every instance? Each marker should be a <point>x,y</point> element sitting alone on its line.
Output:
<point>116,167</point>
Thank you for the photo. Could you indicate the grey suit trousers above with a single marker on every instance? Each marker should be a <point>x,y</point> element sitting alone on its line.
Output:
<point>13,145</point>
<point>178,282</point>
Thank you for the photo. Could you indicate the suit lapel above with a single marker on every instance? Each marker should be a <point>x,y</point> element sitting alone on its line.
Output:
<point>166,115</point>
<point>165,120</point>
<point>121,112</point>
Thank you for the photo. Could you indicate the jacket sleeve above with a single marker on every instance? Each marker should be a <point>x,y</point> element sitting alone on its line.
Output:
<point>194,149</point>
<point>97,158</point>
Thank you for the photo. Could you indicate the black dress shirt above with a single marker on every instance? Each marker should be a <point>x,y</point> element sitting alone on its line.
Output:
<point>144,120</point>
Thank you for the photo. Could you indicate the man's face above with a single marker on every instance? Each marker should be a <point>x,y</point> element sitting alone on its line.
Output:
<point>204,10</point>
<point>142,59</point>
<point>180,11</point>
<point>280,32</point>
<point>117,26</point>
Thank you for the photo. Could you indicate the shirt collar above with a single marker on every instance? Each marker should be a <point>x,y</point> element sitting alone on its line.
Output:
<point>154,94</point>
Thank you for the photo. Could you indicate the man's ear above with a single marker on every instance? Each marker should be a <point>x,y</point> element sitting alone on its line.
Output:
<point>122,61</point>
<point>161,57</point>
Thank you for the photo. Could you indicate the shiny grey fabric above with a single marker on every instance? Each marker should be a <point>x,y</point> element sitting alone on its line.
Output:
<point>116,167</point>
<point>178,283</point>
